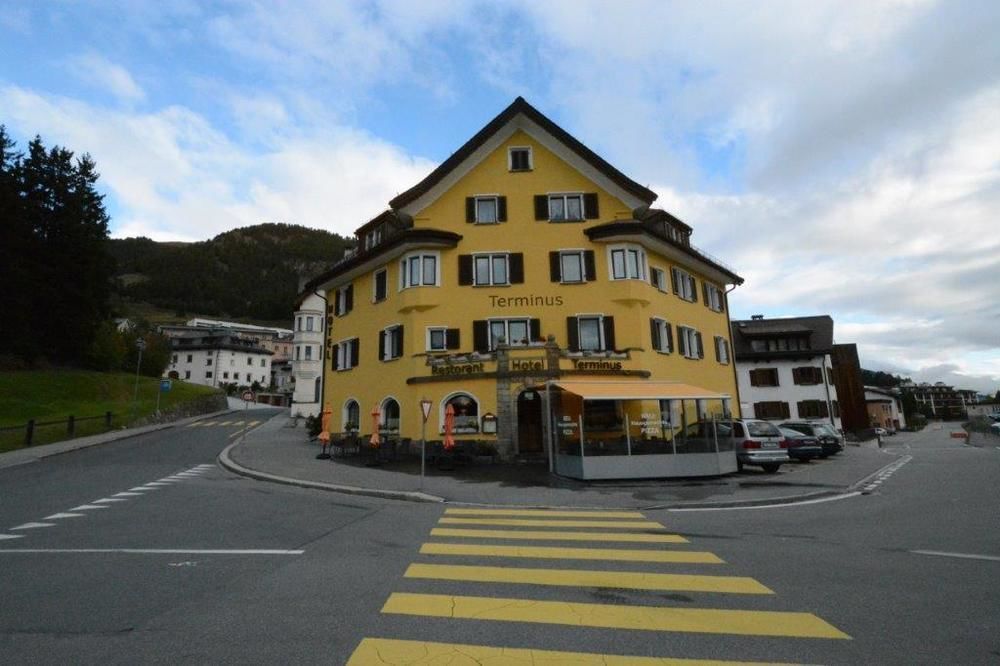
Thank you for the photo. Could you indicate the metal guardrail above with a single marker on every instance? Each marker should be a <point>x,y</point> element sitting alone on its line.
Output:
<point>71,421</point>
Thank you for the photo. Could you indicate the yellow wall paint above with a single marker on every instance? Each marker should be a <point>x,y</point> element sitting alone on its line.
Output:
<point>632,303</point>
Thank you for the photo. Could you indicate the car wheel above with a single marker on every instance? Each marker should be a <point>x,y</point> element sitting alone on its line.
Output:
<point>771,468</point>
<point>739,465</point>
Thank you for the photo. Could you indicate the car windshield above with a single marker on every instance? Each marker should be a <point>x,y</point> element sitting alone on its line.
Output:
<point>827,430</point>
<point>762,429</point>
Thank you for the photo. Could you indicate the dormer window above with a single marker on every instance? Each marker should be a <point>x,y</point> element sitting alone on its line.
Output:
<point>519,158</point>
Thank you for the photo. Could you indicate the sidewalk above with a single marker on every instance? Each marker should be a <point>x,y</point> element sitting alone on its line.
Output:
<point>278,452</point>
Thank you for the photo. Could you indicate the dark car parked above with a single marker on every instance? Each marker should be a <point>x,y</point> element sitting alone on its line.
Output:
<point>801,446</point>
<point>829,439</point>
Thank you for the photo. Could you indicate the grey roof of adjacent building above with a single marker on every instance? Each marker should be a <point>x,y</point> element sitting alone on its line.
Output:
<point>818,328</point>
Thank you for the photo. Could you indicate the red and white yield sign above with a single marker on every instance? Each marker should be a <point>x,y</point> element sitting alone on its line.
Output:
<point>248,396</point>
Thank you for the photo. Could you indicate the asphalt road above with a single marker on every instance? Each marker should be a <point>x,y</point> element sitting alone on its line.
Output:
<point>194,564</point>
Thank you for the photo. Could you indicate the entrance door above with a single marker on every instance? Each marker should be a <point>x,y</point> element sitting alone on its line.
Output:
<point>529,422</point>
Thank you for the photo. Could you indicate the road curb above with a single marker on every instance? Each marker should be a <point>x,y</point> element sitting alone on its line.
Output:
<point>32,454</point>
<point>227,462</point>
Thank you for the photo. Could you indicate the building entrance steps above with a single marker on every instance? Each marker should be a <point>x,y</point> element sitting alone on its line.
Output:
<point>279,453</point>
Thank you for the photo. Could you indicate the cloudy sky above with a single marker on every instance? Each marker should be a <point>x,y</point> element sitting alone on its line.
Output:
<point>844,157</point>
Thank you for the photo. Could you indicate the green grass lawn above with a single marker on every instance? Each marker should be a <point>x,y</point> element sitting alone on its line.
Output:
<point>54,395</point>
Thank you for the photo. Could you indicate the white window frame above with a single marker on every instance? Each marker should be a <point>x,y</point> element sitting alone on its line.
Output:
<point>340,306</point>
<point>714,296</point>
<point>665,340</point>
<point>387,342</point>
<point>375,298</point>
<point>495,198</point>
<point>664,285</point>
<point>344,353</point>
<point>565,196</point>
<point>690,341</point>
<point>579,254</point>
<point>492,257</point>
<point>722,350</point>
<point>444,338</point>
<point>404,272</point>
<point>603,344</point>
<point>381,414</point>
<point>443,405</point>
<point>344,415</point>
<point>687,290</point>
<point>510,158</point>
<point>642,267</point>
<point>506,330</point>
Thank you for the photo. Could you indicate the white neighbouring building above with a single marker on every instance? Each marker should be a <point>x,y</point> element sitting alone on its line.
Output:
<point>213,358</point>
<point>784,370</point>
<point>307,355</point>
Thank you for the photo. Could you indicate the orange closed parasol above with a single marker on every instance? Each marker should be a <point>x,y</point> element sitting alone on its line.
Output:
<point>449,425</point>
<point>375,441</point>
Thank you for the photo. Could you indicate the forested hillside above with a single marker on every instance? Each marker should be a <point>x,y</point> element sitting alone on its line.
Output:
<point>248,273</point>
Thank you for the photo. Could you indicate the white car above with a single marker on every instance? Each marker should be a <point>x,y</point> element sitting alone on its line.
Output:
<point>881,432</point>
<point>995,427</point>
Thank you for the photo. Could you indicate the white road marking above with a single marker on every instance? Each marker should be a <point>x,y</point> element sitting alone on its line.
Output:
<point>154,484</point>
<point>127,495</point>
<point>57,516</point>
<point>964,556</point>
<point>31,526</point>
<point>140,489</point>
<point>109,499</point>
<point>153,551</point>
<point>772,506</point>
<point>11,536</point>
<point>87,507</point>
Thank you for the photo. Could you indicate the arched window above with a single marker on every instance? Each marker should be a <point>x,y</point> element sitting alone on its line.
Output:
<point>352,415</point>
<point>466,412</point>
<point>389,417</point>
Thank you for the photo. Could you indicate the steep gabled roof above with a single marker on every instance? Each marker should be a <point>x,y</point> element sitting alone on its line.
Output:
<point>520,106</point>
<point>819,328</point>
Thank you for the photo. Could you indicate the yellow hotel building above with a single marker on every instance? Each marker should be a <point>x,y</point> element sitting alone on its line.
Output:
<point>531,285</point>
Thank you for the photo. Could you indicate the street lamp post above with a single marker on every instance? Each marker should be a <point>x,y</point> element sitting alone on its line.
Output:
<point>425,410</point>
<point>140,344</point>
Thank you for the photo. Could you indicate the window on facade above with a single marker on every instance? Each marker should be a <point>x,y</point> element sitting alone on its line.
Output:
<point>713,296</point>
<point>208,374</point>
<point>662,335</point>
<point>208,361</point>
<point>380,285</point>
<point>225,375</point>
<point>486,210</point>
<point>591,336</point>
<point>565,207</point>
<point>298,323</point>
<point>519,158</point>
<point>352,415</point>
<point>721,349</point>
<point>628,263</point>
<point>418,270</point>
<point>771,410</point>
<point>249,361</point>
<point>590,333</point>
<point>309,352</point>
<point>514,331</point>
<point>490,269</point>
<point>689,342</point>
<point>298,353</point>
<point>190,358</point>
<point>389,416</point>
<point>440,338</point>
<point>684,285</point>
<point>601,415</point>
<point>466,413</point>
<point>344,300</point>
<point>807,375</point>
<point>344,355</point>
<point>764,377</point>
<point>390,343</point>
<point>187,374</point>
<point>658,278</point>
<point>813,409</point>
<point>309,323</point>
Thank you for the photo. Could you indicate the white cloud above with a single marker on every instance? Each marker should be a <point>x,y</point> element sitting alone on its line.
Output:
<point>107,76</point>
<point>173,176</point>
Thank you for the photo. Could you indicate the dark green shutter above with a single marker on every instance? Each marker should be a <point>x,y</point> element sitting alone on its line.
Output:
<point>694,289</point>
<point>589,269</point>
<point>397,350</point>
<point>349,299</point>
<point>452,336</point>
<point>654,334</point>
<point>609,333</point>
<point>555,267</point>
<point>470,209</point>
<point>355,351</point>
<point>464,269</point>
<point>675,280</point>
<point>481,335</point>
<point>701,347</point>
<point>501,209</point>
<point>334,355</point>
<point>572,334</point>
<point>681,341</point>
<point>541,207</point>
<point>381,345</point>
<point>670,338</point>
<point>536,329</point>
<point>590,209</point>
<point>516,266</point>
<point>704,292</point>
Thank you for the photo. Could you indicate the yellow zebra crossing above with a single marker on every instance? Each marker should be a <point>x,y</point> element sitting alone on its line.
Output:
<point>596,538</point>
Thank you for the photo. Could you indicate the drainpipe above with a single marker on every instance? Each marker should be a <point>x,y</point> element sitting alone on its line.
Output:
<point>826,387</point>
<point>732,352</point>
<point>322,363</point>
